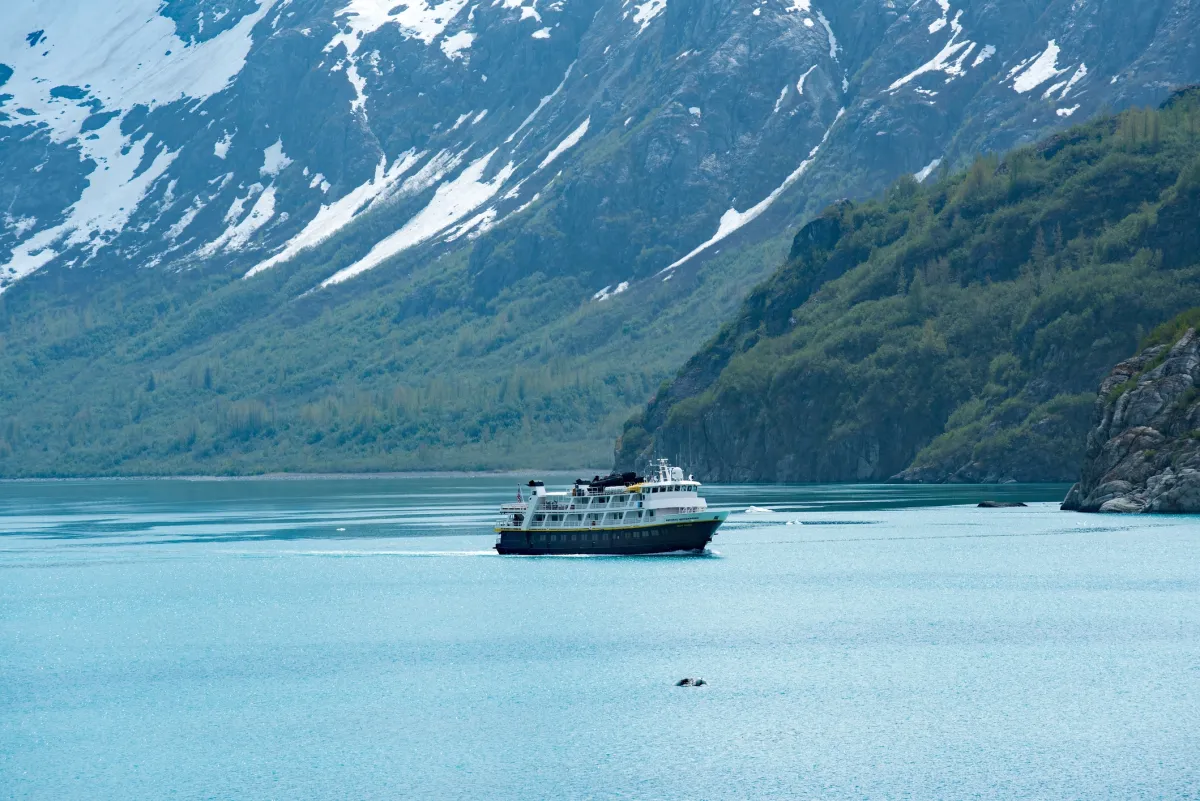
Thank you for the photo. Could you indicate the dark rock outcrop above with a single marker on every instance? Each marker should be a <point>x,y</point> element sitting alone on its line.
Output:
<point>1143,452</point>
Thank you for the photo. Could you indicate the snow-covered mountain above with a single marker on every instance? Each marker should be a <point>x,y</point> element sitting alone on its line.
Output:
<point>178,133</point>
<point>612,141</point>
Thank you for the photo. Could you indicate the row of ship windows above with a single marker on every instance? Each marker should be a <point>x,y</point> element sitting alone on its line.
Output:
<point>596,516</point>
<point>595,536</point>
<point>644,492</point>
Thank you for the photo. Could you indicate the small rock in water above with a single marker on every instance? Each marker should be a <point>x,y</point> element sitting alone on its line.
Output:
<point>690,682</point>
<point>1000,504</point>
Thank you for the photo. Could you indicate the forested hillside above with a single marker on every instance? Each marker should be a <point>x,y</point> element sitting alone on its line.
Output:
<point>243,236</point>
<point>955,331</point>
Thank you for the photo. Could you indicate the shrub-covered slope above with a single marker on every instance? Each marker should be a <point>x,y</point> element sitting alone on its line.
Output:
<point>953,332</point>
<point>473,234</point>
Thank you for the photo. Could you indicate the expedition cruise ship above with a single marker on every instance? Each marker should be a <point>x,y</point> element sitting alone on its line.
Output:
<point>617,514</point>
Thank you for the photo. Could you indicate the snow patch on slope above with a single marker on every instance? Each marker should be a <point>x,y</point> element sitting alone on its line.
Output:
<point>987,52</point>
<point>833,43</point>
<point>644,13</point>
<point>239,232</point>
<point>605,294</point>
<point>115,189</point>
<point>779,101</point>
<point>1080,73</point>
<point>941,21</point>
<point>542,104</point>
<point>927,170</point>
<point>337,215</point>
<point>416,19</point>
<point>949,59</point>
<point>803,78</point>
<point>122,51</point>
<point>1043,68</point>
<point>221,148</point>
<point>733,219</point>
<point>274,160</point>
<point>455,45</point>
<point>566,144</point>
<point>452,201</point>
<point>120,54</point>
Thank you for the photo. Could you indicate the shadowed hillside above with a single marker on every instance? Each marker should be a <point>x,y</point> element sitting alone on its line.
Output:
<point>952,332</point>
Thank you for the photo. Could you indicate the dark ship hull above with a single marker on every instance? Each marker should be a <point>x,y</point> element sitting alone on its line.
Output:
<point>660,538</point>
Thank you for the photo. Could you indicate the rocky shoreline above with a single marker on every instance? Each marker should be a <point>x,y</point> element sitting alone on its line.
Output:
<point>1143,451</point>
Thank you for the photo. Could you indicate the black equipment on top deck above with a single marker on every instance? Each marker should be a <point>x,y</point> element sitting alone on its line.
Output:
<point>598,483</point>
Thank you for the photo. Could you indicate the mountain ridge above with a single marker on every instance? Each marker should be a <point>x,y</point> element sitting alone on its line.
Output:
<point>534,187</point>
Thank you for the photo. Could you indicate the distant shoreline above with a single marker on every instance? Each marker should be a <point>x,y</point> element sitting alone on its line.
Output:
<point>316,476</point>
<point>516,473</point>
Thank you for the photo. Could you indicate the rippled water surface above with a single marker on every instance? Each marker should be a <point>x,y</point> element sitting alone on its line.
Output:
<point>345,639</point>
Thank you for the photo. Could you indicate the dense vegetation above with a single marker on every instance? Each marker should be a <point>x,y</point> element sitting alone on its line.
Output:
<point>955,331</point>
<point>111,371</point>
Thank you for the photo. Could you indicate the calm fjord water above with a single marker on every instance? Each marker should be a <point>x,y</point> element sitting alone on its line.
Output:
<point>344,639</point>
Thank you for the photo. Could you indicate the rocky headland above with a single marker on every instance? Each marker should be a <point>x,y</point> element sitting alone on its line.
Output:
<point>1143,451</point>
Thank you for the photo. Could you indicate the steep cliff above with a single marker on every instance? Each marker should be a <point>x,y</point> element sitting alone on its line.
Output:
<point>1143,451</point>
<point>954,331</point>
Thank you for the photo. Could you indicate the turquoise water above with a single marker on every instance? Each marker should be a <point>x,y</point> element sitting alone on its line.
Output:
<point>346,639</point>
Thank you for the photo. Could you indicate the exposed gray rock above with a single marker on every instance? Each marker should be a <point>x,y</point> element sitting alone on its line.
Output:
<point>1143,452</point>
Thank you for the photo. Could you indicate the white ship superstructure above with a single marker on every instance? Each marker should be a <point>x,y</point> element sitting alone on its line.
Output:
<point>615,514</point>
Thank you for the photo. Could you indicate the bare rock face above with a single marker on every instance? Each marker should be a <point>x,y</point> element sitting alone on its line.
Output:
<point>1143,452</point>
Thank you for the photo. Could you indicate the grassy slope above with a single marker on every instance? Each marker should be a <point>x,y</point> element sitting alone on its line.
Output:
<point>967,323</point>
